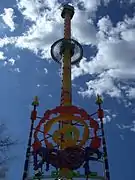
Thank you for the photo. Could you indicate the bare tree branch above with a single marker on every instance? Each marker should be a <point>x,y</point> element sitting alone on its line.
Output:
<point>5,143</point>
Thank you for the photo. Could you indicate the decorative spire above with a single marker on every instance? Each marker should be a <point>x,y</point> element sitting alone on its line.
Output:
<point>35,102</point>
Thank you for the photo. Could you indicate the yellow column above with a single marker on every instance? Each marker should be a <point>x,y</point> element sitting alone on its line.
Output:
<point>66,79</point>
<point>66,96</point>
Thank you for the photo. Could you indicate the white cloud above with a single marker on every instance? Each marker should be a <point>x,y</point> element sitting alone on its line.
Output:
<point>92,5</point>
<point>46,18</point>
<point>131,126</point>
<point>104,24</point>
<point>7,40</point>
<point>86,33</point>
<point>18,56</point>
<point>133,129</point>
<point>77,71</point>
<point>45,70</point>
<point>114,61</point>
<point>38,85</point>
<point>107,111</point>
<point>17,70</point>
<point>114,115</point>
<point>50,95</point>
<point>102,84</point>
<point>123,126</point>
<point>30,9</point>
<point>8,18</point>
<point>115,58</point>
<point>2,57</point>
<point>131,93</point>
<point>106,119</point>
<point>11,61</point>
<point>34,9</point>
<point>47,27</point>
<point>40,38</point>
<point>122,137</point>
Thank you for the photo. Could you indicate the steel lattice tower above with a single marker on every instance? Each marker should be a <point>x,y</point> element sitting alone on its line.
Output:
<point>66,52</point>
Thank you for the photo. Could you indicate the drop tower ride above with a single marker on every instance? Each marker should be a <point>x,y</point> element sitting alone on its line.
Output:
<point>66,139</point>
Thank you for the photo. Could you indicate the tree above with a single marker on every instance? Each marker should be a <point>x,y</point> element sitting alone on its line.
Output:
<point>5,143</point>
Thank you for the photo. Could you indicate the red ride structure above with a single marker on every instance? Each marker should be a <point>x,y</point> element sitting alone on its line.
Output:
<point>67,138</point>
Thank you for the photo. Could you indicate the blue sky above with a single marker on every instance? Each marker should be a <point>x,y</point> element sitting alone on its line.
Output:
<point>106,30</point>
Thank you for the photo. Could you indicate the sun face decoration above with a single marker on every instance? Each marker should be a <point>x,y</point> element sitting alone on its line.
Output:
<point>69,134</point>
<point>69,139</point>
<point>66,136</point>
<point>67,148</point>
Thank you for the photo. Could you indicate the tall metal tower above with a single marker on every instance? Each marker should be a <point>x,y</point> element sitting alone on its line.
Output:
<point>66,139</point>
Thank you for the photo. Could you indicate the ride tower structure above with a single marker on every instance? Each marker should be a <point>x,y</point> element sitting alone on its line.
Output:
<point>77,139</point>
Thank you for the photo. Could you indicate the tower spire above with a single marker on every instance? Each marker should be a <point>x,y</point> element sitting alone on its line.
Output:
<point>67,55</point>
<point>35,103</point>
<point>67,50</point>
<point>99,102</point>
